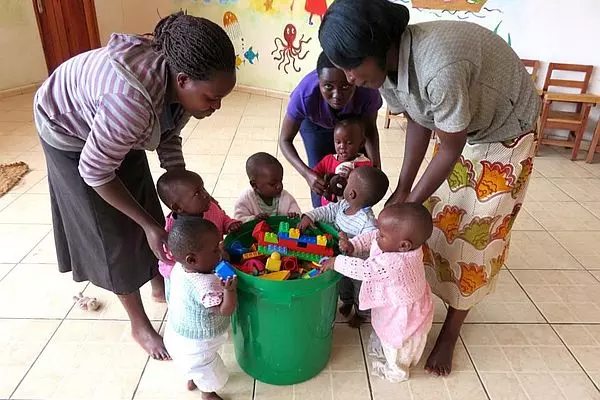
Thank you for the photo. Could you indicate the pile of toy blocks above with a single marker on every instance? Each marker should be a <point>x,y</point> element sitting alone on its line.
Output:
<point>284,255</point>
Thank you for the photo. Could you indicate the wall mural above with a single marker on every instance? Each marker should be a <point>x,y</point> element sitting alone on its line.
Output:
<point>286,51</point>
<point>276,41</point>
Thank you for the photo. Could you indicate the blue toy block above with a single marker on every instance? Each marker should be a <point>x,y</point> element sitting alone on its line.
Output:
<point>283,235</point>
<point>224,270</point>
<point>280,249</point>
<point>308,239</point>
<point>237,249</point>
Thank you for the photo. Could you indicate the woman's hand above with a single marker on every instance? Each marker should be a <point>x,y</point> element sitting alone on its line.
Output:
<point>398,197</point>
<point>157,239</point>
<point>316,182</point>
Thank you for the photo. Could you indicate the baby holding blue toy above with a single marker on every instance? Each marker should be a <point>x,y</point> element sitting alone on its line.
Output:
<point>353,216</point>
<point>200,305</point>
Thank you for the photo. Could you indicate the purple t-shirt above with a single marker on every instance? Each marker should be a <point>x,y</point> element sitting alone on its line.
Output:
<point>306,102</point>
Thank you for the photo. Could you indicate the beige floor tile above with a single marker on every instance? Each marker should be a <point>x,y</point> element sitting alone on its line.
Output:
<point>503,386</point>
<point>544,190</point>
<point>112,308</point>
<point>593,207</point>
<point>22,341</point>
<point>236,165</point>
<point>297,186</point>
<point>204,164</point>
<point>37,291</point>
<point>43,253</point>
<point>217,121</point>
<point>40,188</point>
<point>526,222</point>
<point>80,355</point>
<point>7,199</point>
<point>540,386</point>
<point>28,209</point>
<point>34,159</point>
<point>246,147</point>
<point>593,168</point>
<point>563,216</point>
<point>30,180</point>
<point>247,133</point>
<point>563,296</point>
<point>5,268</point>
<point>230,185</point>
<point>560,168</point>
<point>202,132</point>
<point>318,388</point>
<point>207,146</point>
<point>538,250</point>
<point>349,385</point>
<point>582,245</point>
<point>576,386</point>
<point>584,343</point>
<point>18,115</point>
<point>268,122</point>
<point>264,391</point>
<point>18,143</point>
<point>508,303</point>
<point>579,189</point>
<point>391,165</point>
<point>18,240</point>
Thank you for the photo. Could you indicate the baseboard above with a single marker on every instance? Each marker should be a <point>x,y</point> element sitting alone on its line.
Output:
<point>20,90</point>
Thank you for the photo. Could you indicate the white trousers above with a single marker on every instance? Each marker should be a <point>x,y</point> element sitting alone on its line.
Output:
<point>393,363</point>
<point>198,360</point>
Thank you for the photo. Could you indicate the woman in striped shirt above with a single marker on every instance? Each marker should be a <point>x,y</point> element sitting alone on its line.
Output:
<point>96,116</point>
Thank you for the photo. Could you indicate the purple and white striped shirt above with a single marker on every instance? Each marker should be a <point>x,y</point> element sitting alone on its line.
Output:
<point>104,110</point>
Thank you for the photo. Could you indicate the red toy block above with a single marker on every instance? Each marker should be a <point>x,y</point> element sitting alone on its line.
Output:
<point>261,227</point>
<point>252,267</point>
<point>289,263</point>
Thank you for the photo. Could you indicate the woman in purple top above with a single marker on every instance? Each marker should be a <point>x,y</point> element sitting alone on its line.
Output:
<point>320,100</point>
<point>96,115</point>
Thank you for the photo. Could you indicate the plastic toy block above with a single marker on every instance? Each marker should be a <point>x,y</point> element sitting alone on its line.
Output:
<point>251,255</point>
<point>321,240</point>
<point>237,250</point>
<point>311,274</point>
<point>289,263</point>
<point>224,270</point>
<point>274,262</point>
<point>308,239</point>
<point>283,235</point>
<point>271,237</point>
<point>277,276</point>
<point>279,249</point>
<point>252,267</point>
<point>284,227</point>
<point>262,226</point>
<point>254,247</point>
<point>294,233</point>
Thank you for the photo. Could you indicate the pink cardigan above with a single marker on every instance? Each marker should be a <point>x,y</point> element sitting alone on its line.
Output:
<point>393,287</point>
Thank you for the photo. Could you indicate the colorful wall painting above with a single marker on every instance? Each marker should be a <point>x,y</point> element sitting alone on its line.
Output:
<point>450,5</point>
<point>286,52</point>
<point>313,7</point>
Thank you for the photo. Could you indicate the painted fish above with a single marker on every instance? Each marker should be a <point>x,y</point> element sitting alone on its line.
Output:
<point>238,61</point>
<point>250,55</point>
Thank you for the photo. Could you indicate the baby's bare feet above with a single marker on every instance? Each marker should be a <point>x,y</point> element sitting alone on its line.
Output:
<point>345,309</point>
<point>356,321</point>
<point>191,385</point>
<point>211,396</point>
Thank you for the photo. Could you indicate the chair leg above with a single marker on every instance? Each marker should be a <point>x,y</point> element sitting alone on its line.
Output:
<point>593,144</point>
<point>580,132</point>
<point>386,125</point>
<point>541,125</point>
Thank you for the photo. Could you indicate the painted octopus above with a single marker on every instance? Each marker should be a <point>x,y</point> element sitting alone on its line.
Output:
<point>287,52</point>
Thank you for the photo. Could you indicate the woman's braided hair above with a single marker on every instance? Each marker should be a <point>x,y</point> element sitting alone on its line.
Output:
<point>194,46</point>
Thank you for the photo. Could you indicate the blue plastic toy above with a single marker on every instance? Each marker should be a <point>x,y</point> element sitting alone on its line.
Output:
<point>224,270</point>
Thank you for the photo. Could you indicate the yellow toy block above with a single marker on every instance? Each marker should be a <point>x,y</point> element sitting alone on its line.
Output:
<point>273,262</point>
<point>321,240</point>
<point>294,233</point>
<point>277,276</point>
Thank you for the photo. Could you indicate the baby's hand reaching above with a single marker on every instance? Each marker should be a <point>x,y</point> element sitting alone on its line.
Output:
<point>224,253</point>
<point>328,264</point>
<point>230,285</point>
<point>305,223</point>
<point>293,215</point>
<point>262,216</point>
<point>345,245</point>
<point>234,227</point>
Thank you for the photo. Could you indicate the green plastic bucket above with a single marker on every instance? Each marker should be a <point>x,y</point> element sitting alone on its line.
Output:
<point>283,330</point>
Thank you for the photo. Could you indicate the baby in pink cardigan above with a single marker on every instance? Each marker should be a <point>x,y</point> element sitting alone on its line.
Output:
<point>393,287</point>
<point>265,197</point>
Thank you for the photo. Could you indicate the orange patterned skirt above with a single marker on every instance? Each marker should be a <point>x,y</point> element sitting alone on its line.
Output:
<point>473,213</point>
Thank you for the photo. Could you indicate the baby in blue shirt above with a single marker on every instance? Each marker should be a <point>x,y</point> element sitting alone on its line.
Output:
<point>199,307</point>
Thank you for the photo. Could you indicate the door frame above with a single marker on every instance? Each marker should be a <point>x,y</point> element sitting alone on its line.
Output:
<point>91,23</point>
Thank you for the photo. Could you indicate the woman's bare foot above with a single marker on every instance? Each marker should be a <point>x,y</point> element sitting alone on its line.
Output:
<point>211,396</point>
<point>345,309</point>
<point>158,289</point>
<point>191,385</point>
<point>151,341</point>
<point>439,361</point>
<point>356,321</point>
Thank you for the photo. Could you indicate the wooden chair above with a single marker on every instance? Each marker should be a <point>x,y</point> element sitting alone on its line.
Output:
<point>533,67</point>
<point>389,117</point>
<point>573,121</point>
<point>594,144</point>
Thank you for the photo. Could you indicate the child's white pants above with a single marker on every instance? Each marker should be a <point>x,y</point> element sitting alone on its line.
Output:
<point>199,360</point>
<point>394,363</point>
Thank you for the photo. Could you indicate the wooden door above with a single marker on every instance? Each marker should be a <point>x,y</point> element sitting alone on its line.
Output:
<point>67,28</point>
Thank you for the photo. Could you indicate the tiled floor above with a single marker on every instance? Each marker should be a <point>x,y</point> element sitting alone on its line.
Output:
<point>537,336</point>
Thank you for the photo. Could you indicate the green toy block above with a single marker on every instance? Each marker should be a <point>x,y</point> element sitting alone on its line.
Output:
<point>271,237</point>
<point>284,227</point>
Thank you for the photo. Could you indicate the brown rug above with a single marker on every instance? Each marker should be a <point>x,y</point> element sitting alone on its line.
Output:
<point>10,175</point>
